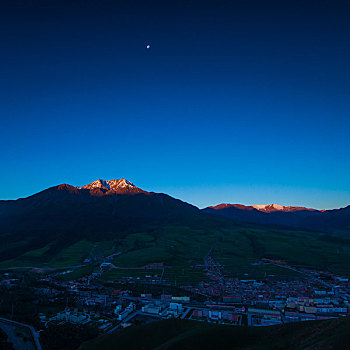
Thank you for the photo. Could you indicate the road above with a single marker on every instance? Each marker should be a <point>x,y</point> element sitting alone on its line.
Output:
<point>186,312</point>
<point>309,275</point>
<point>130,316</point>
<point>34,333</point>
<point>213,268</point>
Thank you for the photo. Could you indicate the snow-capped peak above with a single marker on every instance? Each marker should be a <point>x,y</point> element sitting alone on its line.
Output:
<point>120,183</point>
<point>109,184</point>
<point>269,207</point>
<point>97,184</point>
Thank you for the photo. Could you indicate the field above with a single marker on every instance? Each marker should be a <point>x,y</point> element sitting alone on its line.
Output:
<point>72,255</point>
<point>181,250</point>
<point>303,249</point>
<point>176,276</point>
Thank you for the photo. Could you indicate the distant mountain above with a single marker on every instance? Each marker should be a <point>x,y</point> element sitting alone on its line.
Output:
<point>266,208</point>
<point>274,214</point>
<point>65,221</point>
<point>269,208</point>
<point>100,210</point>
<point>115,198</point>
<point>64,225</point>
<point>336,220</point>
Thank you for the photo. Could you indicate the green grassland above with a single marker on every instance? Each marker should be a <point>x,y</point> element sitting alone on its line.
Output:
<point>176,275</point>
<point>70,256</point>
<point>73,255</point>
<point>141,273</point>
<point>184,334</point>
<point>172,245</point>
<point>181,248</point>
<point>184,275</point>
<point>78,273</point>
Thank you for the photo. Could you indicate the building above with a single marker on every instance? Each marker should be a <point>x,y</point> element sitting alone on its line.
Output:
<point>151,309</point>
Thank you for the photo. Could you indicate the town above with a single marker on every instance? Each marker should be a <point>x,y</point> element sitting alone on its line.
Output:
<point>108,305</point>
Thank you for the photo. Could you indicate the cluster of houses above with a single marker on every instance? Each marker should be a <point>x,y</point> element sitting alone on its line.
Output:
<point>74,317</point>
<point>217,315</point>
<point>320,306</point>
<point>231,301</point>
<point>77,318</point>
<point>121,313</point>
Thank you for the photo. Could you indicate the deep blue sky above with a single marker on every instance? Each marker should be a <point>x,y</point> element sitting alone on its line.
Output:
<point>235,101</point>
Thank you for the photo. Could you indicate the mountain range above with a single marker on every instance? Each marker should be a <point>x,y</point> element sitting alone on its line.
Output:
<point>61,225</point>
<point>332,221</point>
<point>97,211</point>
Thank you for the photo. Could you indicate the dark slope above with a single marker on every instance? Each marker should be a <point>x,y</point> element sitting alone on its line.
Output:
<point>326,221</point>
<point>337,220</point>
<point>63,215</point>
<point>67,214</point>
<point>183,334</point>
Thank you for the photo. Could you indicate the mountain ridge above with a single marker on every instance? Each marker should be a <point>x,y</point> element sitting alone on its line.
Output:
<point>66,213</point>
<point>121,199</point>
<point>149,227</point>
<point>264,207</point>
<point>300,217</point>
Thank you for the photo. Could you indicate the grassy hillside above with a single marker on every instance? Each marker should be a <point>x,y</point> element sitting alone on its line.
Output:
<point>62,226</point>
<point>184,334</point>
<point>184,246</point>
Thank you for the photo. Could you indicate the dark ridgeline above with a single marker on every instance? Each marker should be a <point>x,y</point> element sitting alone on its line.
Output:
<point>104,210</point>
<point>306,218</point>
<point>66,214</point>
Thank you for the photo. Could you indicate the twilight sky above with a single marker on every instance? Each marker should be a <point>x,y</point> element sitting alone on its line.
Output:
<point>236,101</point>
